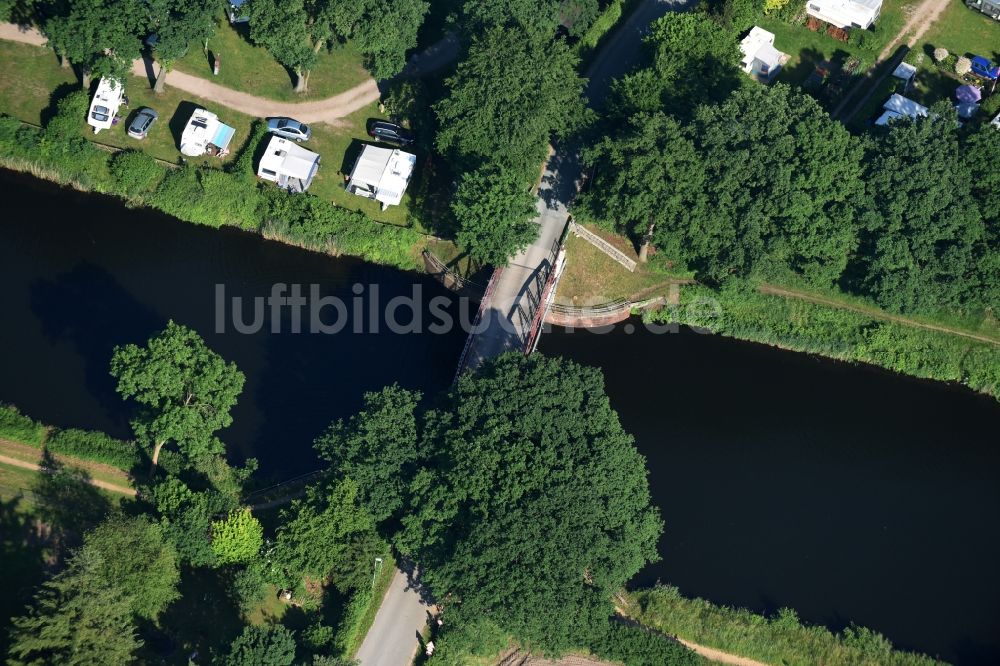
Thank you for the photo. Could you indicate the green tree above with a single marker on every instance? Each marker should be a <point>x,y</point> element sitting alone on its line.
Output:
<point>102,37</point>
<point>495,211</point>
<point>648,179</point>
<point>76,619</point>
<point>328,535</point>
<point>375,449</point>
<point>922,228</point>
<point>528,463</point>
<point>502,104</point>
<point>981,151</point>
<point>186,391</point>
<point>386,31</point>
<point>783,179</point>
<point>541,16</point>
<point>237,538</point>
<point>178,24</point>
<point>689,49</point>
<point>135,557</point>
<point>271,645</point>
<point>282,27</point>
<point>186,518</point>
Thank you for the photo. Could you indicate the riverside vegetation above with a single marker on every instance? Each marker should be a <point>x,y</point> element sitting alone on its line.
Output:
<point>203,195</point>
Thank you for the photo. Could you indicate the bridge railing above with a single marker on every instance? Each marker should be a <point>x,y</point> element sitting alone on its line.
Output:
<point>483,307</point>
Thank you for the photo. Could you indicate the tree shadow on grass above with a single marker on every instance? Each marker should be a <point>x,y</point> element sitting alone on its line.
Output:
<point>67,503</point>
<point>61,92</point>
<point>22,554</point>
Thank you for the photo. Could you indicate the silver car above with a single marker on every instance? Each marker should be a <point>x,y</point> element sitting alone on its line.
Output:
<point>289,128</point>
<point>144,119</point>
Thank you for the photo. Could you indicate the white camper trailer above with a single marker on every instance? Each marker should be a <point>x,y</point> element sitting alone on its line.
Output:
<point>382,174</point>
<point>104,107</point>
<point>206,134</point>
<point>288,164</point>
<point>845,13</point>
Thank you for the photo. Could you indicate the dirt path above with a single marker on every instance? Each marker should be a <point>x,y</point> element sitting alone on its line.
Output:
<point>329,110</point>
<point>920,21</point>
<point>924,16</point>
<point>874,313</point>
<point>104,485</point>
<point>720,657</point>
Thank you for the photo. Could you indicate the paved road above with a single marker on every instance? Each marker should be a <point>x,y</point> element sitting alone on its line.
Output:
<point>515,296</point>
<point>395,635</point>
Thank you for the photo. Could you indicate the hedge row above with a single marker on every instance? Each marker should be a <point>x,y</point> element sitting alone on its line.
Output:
<point>740,311</point>
<point>17,427</point>
<point>203,195</point>
<point>782,639</point>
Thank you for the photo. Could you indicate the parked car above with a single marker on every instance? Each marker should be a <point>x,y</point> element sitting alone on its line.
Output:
<point>289,128</point>
<point>144,119</point>
<point>985,69</point>
<point>390,133</point>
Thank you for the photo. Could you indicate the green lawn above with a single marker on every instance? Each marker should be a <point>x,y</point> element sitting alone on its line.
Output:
<point>962,31</point>
<point>806,48</point>
<point>339,148</point>
<point>254,70</point>
<point>29,93</point>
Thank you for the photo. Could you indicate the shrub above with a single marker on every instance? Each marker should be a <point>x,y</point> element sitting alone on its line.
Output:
<point>963,66</point>
<point>209,196</point>
<point>773,5</point>
<point>940,54</point>
<point>17,427</point>
<point>991,105</point>
<point>96,447</point>
<point>605,21</point>
<point>237,538</point>
<point>135,173</point>
<point>636,646</point>
<point>248,586</point>
<point>243,165</point>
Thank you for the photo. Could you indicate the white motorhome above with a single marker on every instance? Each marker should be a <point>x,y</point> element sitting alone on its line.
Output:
<point>382,174</point>
<point>206,134</point>
<point>104,107</point>
<point>288,164</point>
<point>845,13</point>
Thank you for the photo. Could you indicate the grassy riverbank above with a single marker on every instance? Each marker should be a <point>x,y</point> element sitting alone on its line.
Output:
<point>204,195</point>
<point>740,310</point>
<point>782,639</point>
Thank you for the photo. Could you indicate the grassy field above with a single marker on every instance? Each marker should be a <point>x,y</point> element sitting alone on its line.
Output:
<point>806,48</point>
<point>964,32</point>
<point>254,70</point>
<point>592,277</point>
<point>29,97</point>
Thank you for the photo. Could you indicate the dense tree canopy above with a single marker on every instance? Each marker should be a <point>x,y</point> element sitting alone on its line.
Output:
<point>328,535</point>
<point>178,24</point>
<point>513,90</point>
<point>695,60</point>
<point>924,235</point>
<point>375,449</point>
<point>542,16</point>
<point>76,619</point>
<point>135,556</point>
<point>529,464</point>
<point>269,645</point>
<point>102,37</point>
<point>185,389</point>
<point>494,210</point>
<point>237,538</point>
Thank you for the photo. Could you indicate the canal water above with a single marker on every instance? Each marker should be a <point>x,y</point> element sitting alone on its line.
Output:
<point>844,492</point>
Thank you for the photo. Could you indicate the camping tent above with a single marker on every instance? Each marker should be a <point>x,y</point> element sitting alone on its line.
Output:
<point>968,94</point>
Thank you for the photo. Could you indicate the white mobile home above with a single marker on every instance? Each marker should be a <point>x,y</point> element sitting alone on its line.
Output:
<point>898,106</point>
<point>104,107</point>
<point>288,164</point>
<point>206,134</point>
<point>760,58</point>
<point>845,13</point>
<point>382,174</point>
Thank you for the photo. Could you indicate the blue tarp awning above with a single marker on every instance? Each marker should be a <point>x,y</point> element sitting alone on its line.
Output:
<point>223,136</point>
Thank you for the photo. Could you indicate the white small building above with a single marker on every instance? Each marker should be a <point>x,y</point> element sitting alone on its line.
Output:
<point>288,164</point>
<point>206,134</point>
<point>900,107</point>
<point>845,13</point>
<point>104,107</point>
<point>905,72</point>
<point>382,174</point>
<point>760,58</point>
<point>996,122</point>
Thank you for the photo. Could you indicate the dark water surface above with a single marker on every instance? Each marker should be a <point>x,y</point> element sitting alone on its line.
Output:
<point>82,273</point>
<point>844,492</point>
